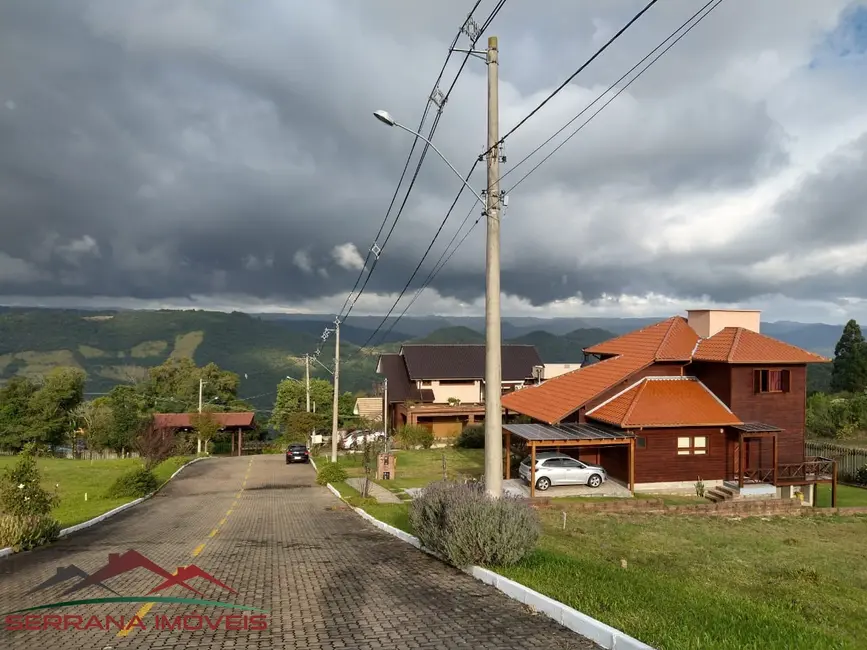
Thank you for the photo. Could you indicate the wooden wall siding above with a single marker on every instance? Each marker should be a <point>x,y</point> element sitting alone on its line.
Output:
<point>614,458</point>
<point>785,410</point>
<point>656,370</point>
<point>658,462</point>
<point>716,376</point>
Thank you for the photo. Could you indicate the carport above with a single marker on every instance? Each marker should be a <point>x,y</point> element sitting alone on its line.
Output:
<point>570,436</point>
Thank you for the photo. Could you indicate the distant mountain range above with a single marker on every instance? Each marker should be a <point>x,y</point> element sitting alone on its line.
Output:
<point>119,346</point>
<point>816,337</point>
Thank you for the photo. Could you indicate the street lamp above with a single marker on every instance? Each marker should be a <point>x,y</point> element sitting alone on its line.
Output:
<point>493,337</point>
<point>386,118</point>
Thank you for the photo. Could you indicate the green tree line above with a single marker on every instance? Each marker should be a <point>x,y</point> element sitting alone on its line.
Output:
<point>841,411</point>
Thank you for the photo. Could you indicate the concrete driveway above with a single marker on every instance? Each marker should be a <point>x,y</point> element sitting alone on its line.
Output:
<point>610,488</point>
<point>275,541</point>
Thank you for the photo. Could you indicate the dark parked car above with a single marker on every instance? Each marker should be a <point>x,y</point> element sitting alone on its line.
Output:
<point>297,454</point>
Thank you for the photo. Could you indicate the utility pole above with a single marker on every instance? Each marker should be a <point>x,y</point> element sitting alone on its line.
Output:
<point>493,337</point>
<point>336,390</point>
<point>198,437</point>
<point>385,414</point>
<point>307,378</point>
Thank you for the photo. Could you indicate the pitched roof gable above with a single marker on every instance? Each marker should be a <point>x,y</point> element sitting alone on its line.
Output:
<point>665,402</point>
<point>185,420</point>
<point>559,397</point>
<point>400,387</point>
<point>426,361</point>
<point>739,345</point>
<point>669,340</point>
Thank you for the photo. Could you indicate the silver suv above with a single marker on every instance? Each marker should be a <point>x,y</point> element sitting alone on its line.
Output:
<point>553,468</point>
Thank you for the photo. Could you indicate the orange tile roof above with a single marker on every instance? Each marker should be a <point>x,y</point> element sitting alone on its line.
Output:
<point>665,402</point>
<point>739,345</point>
<point>558,397</point>
<point>670,340</point>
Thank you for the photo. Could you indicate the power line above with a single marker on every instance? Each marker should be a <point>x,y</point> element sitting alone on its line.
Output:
<point>421,261</point>
<point>714,3</point>
<point>408,160</point>
<point>446,256</point>
<point>440,106</point>
<point>557,90</point>
<point>475,32</point>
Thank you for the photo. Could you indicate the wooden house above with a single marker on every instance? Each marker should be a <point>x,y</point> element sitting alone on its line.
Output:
<point>707,397</point>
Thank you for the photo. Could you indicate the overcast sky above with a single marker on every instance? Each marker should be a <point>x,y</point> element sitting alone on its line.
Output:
<point>222,154</point>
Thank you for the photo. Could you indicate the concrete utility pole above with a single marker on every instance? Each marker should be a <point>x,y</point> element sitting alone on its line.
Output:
<point>493,338</point>
<point>336,390</point>
<point>201,393</point>
<point>307,378</point>
<point>385,414</point>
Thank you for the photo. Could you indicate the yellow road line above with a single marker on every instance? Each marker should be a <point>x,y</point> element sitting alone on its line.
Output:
<point>144,609</point>
<point>141,613</point>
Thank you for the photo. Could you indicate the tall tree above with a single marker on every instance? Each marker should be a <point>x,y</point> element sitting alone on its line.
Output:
<point>292,398</point>
<point>15,415</point>
<point>53,404</point>
<point>849,371</point>
<point>173,387</point>
<point>128,418</point>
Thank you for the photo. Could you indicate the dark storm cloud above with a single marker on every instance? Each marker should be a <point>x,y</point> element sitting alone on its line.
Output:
<point>207,148</point>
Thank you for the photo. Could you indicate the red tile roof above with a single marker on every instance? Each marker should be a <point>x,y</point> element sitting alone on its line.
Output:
<point>670,340</point>
<point>665,402</point>
<point>739,345</point>
<point>558,397</point>
<point>184,420</point>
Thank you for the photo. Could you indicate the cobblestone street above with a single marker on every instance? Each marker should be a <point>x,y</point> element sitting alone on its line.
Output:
<point>265,530</point>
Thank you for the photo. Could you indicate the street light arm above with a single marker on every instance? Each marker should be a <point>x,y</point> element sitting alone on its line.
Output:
<point>444,159</point>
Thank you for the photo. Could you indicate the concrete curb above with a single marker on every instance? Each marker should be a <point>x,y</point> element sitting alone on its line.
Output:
<point>111,513</point>
<point>606,636</point>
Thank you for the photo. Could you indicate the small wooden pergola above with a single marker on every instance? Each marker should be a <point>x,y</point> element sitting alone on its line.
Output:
<point>572,435</point>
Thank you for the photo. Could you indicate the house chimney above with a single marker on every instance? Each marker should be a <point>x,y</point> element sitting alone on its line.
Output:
<point>707,322</point>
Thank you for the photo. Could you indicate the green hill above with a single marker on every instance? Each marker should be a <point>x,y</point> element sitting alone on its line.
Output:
<point>116,347</point>
<point>457,334</point>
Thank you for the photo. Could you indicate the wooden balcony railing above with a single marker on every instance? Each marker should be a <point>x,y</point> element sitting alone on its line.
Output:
<point>814,469</point>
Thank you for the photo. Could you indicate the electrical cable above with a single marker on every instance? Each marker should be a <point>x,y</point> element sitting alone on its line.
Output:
<point>557,90</point>
<point>446,256</point>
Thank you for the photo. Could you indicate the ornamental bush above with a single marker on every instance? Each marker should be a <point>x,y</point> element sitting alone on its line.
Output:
<point>330,473</point>
<point>460,522</point>
<point>410,436</point>
<point>21,491</point>
<point>135,483</point>
<point>861,476</point>
<point>472,437</point>
<point>24,532</point>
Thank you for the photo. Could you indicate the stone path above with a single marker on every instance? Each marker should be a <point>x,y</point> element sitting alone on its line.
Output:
<point>374,490</point>
<point>264,529</point>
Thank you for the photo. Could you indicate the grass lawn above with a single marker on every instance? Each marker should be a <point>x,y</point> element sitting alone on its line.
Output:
<point>420,467</point>
<point>847,496</point>
<point>76,478</point>
<point>692,583</point>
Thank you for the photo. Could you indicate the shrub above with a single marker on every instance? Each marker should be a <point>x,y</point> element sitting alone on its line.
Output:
<point>330,473</point>
<point>135,483</point>
<point>21,492</point>
<point>465,526</point>
<point>411,436</point>
<point>472,437</point>
<point>25,532</point>
<point>861,476</point>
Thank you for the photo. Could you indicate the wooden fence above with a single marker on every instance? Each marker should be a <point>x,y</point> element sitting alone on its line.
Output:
<point>849,460</point>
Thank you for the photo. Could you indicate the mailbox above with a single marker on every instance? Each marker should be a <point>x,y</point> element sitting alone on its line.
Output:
<point>386,465</point>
